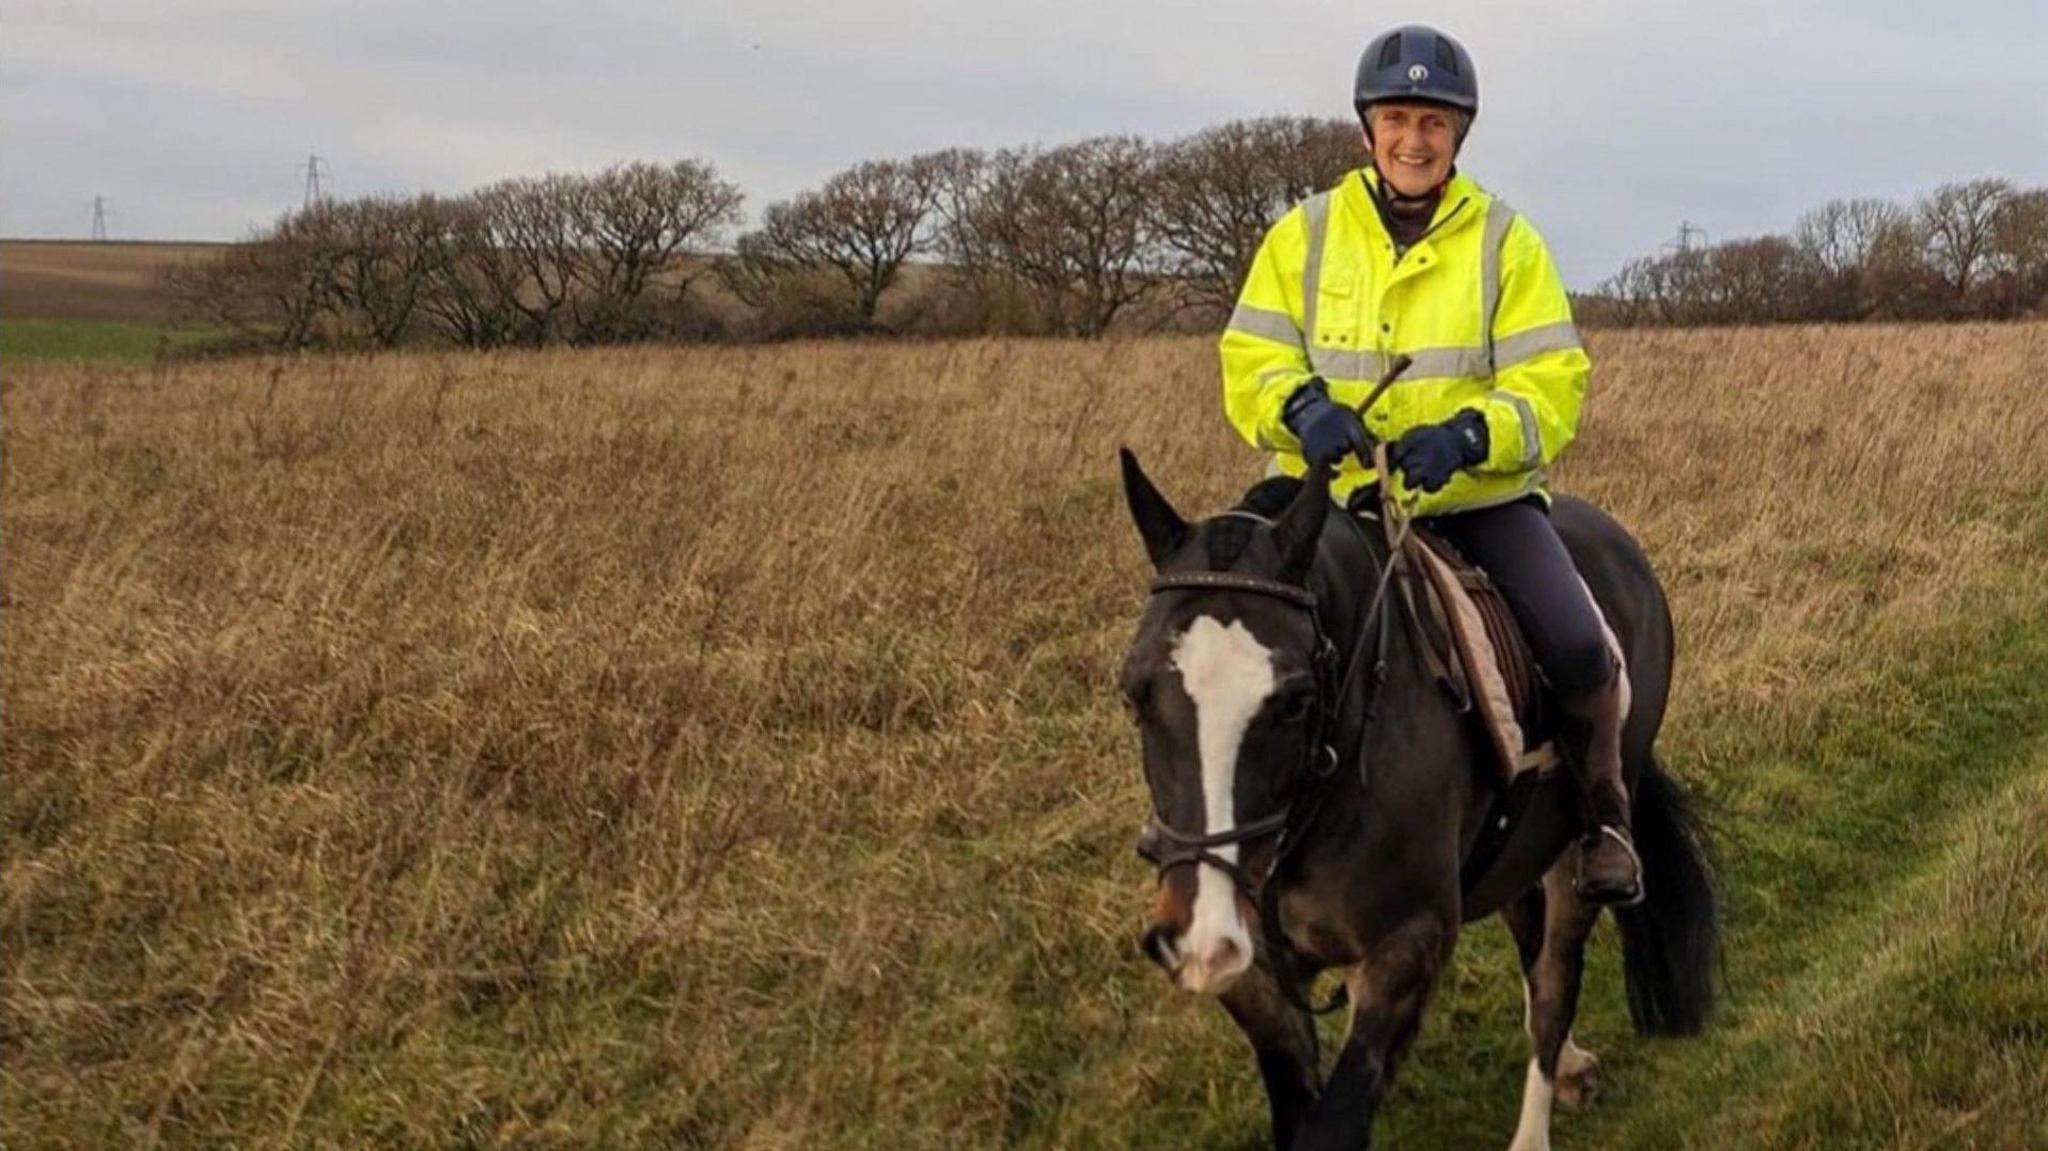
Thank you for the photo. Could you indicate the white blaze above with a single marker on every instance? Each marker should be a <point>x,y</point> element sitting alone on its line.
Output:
<point>1228,674</point>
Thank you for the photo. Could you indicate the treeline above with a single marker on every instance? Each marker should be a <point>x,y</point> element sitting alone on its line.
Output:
<point>1975,250</point>
<point>1112,232</point>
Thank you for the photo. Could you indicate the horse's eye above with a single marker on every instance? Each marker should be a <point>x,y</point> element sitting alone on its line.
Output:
<point>1296,707</point>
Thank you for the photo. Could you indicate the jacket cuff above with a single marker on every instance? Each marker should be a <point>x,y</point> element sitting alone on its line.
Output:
<point>1514,441</point>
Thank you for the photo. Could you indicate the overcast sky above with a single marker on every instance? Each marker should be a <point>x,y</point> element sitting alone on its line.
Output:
<point>1606,121</point>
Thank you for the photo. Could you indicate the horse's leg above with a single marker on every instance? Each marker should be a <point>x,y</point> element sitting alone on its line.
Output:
<point>1550,925</point>
<point>1567,927</point>
<point>1389,990</point>
<point>1283,1039</point>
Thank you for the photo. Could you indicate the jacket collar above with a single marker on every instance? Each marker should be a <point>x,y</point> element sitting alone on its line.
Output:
<point>1450,216</point>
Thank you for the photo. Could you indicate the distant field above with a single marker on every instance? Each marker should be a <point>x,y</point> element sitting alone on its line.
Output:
<point>78,280</point>
<point>718,748</point>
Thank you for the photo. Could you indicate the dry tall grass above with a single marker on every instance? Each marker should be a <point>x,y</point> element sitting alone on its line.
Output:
<point>714,747</point>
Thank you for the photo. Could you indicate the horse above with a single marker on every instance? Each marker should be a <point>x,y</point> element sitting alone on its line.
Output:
<point>1321,803</point>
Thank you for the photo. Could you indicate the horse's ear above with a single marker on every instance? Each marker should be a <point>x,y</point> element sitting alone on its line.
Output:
<point>1301,525</point>
<point>1162,528</point>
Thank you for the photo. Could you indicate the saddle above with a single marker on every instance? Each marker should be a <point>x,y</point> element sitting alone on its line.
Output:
<point>1484,658</point>
<point>1474,645</point>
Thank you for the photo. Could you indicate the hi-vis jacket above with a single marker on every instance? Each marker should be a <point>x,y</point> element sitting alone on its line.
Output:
<point>1476,302</point>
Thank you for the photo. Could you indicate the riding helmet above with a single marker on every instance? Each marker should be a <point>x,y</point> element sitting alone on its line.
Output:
<point>1416,62</point>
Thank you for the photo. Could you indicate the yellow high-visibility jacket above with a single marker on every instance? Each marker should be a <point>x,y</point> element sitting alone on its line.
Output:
<point>1476,302</point>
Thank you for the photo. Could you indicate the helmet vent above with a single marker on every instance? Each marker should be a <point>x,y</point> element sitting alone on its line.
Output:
<point>1390,52</point>
<point>1445,57</point>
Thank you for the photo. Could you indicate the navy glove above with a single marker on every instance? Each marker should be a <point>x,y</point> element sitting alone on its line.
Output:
<point>1428,456</point>
<point>1328,430</point>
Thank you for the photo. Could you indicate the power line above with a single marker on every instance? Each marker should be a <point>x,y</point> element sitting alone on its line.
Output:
<point>99,219</point>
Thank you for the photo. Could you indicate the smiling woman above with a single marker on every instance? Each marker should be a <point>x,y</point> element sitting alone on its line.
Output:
<point>1413,143</point>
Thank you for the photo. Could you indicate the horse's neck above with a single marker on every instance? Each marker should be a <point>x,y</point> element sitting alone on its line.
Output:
<point>1413,736</point>
<point>1346,572</point>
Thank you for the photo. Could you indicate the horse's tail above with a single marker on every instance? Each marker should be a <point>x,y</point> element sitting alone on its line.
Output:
<point>1671,941</point>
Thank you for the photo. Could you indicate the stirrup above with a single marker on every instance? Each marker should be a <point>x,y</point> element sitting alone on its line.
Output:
<point>1628,845</point>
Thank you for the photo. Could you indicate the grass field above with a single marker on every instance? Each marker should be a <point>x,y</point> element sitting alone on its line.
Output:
<point>716,748</point>
<point>104,341</point>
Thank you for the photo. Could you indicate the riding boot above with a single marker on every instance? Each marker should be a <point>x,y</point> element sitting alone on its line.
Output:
<point>1610,872</point>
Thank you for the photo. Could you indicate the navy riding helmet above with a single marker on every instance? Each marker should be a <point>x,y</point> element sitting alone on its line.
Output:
<point>1416,62</point>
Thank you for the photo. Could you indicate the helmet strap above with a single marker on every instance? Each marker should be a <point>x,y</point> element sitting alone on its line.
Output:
<point>1399,202</point>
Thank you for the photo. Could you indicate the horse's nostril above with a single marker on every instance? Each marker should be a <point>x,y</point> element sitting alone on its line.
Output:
<point>1157,944</point>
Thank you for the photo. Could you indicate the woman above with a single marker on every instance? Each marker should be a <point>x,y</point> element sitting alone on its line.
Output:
<point>1409,256</point>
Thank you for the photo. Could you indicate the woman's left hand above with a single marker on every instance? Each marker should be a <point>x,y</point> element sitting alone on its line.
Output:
<point>1427,457</point>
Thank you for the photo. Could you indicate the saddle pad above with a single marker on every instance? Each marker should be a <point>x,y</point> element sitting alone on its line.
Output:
<point>1503,691</point>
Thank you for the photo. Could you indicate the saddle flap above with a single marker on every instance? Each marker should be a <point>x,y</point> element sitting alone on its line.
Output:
<point>1494,656</point>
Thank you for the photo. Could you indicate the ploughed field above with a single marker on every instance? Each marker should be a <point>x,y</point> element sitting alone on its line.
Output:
<point>717,748</point>
<point>82,280</point>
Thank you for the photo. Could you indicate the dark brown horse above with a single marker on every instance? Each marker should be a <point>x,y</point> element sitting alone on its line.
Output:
<point>1320,802</point>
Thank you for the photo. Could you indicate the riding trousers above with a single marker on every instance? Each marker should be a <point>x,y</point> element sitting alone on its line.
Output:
<point>1519,550</point>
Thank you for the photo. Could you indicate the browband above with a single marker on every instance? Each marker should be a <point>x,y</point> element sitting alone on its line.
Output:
<point>1234,581</point>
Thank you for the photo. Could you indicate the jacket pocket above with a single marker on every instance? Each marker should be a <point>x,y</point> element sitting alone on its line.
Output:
<point>1337,320</point>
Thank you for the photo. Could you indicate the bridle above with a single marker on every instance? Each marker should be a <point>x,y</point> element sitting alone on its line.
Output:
<point>1168,848</point>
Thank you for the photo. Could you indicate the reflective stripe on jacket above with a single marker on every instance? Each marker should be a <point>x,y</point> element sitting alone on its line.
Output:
<point>1476,302</point>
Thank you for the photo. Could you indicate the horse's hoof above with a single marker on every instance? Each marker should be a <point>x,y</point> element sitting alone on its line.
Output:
<point>1578,1077</point>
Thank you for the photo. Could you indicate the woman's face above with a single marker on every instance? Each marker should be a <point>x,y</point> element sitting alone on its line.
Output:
<point>1413,145</point>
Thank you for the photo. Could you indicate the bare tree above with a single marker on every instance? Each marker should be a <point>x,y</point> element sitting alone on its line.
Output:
<point>1839,237</point>
<point>587,249</point>
<point>631,223</point>
<point>278,286</point>
<point>2019,251</point>
<point>383,251</point>
<point>978,294</point>
<point>533,222</point>
<point>473,284</point>
<point>1219,190</point>
<point>1630,297</point>
<point>1956,219</point>
<point>960,180</point>
<point>1072,225</point>
<point>1902,282</point>
<point>1766,280</point>
<point>863,225</point>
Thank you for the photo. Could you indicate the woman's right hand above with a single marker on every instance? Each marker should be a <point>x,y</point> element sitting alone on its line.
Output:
<point>1328,430</point>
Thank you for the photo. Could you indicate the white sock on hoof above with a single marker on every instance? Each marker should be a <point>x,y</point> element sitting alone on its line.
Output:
<point>1533,1133</point>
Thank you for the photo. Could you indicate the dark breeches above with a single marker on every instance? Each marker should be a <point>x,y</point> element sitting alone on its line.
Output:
<point>1516,546</point>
